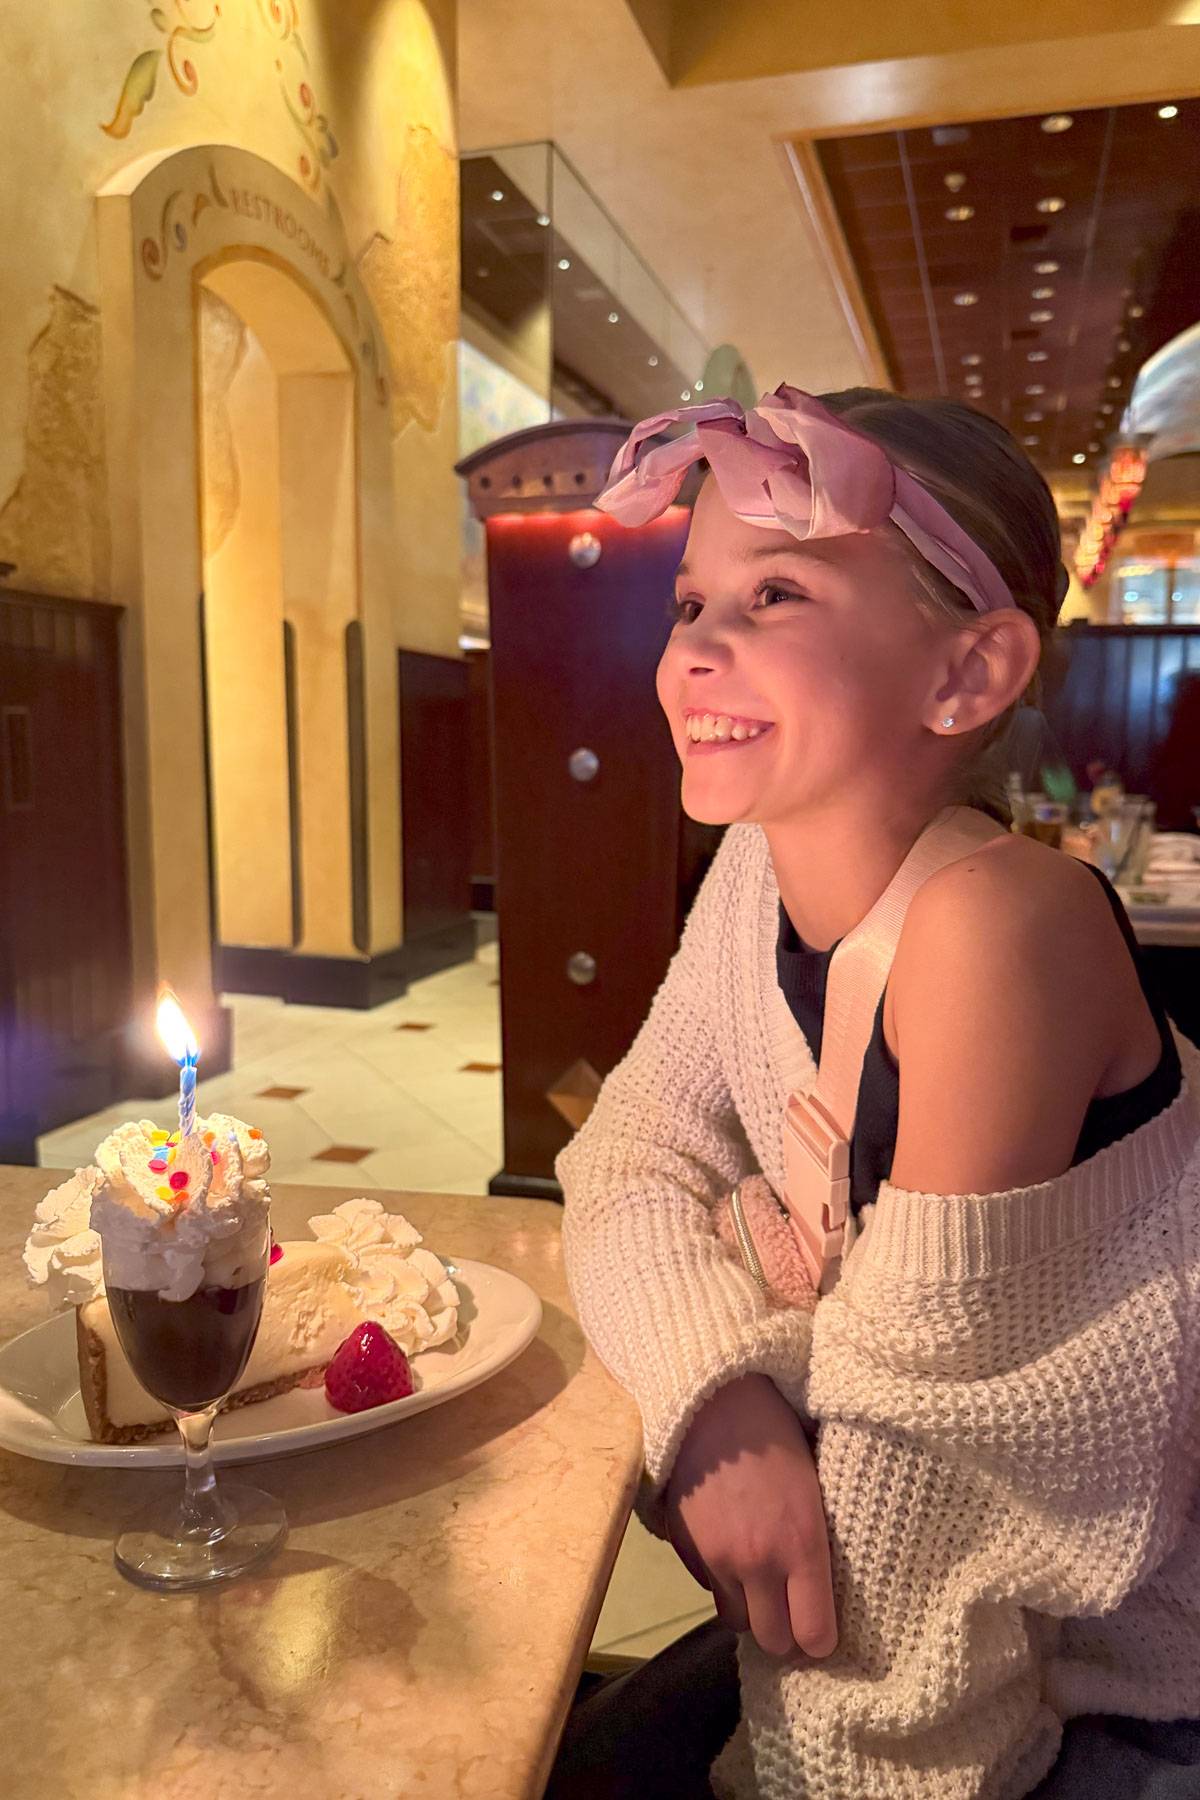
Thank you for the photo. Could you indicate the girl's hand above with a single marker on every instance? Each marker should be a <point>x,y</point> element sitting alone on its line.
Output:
<point>745,1515</point>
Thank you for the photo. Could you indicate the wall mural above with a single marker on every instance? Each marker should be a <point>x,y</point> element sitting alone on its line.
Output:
<point>281,29</point>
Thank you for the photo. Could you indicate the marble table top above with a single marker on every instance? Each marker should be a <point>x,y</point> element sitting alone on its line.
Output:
<point>420,1633</point>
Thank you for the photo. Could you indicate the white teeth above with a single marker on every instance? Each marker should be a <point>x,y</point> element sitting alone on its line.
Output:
<point>707,728</point>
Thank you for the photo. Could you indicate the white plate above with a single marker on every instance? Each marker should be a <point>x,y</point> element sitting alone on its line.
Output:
<point>41,1412</point>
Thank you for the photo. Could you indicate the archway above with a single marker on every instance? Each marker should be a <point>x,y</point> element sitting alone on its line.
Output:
<point>174,227</point>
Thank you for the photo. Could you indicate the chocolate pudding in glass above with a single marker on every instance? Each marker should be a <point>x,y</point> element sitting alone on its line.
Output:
<point>185,1253</point>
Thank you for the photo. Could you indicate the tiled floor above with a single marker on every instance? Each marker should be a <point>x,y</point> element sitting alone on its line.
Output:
<point>404,1096</point>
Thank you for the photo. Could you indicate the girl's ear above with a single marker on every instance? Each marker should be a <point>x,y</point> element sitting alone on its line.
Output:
<point>990,666</point>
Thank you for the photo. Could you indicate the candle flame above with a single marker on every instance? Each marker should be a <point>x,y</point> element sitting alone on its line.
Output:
<point>174,1030</point>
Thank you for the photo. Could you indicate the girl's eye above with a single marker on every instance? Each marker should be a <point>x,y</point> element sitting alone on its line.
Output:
<point>678,611</point>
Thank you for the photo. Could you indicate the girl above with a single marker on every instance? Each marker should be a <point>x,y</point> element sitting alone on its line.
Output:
<point>949,1507</point>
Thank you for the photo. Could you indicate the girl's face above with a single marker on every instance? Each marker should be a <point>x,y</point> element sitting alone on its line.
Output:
<point>821,670</point>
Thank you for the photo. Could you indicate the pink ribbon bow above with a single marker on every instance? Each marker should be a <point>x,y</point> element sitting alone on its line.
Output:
<point>791,463</point>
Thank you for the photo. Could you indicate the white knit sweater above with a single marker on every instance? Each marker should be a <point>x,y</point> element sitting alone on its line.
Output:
<point>1005,1387</point>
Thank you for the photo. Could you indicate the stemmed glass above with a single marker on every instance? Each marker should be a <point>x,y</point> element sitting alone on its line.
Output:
<point>189,1354</point>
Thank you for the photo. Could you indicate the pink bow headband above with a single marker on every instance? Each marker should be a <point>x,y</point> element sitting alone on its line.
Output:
<point>790,462</point>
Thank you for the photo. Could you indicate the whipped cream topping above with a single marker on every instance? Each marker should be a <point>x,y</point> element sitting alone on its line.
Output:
<point>62,1252</point>
<point>390,1278</point>
<point>154,1230</point>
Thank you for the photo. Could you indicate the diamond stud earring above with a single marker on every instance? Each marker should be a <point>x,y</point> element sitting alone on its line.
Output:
<point>947,722</point>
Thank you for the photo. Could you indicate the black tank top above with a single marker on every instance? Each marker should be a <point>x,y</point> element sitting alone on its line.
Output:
<point>802,975</point>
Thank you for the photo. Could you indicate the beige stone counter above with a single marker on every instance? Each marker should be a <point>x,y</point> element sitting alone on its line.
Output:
<point>421,1632</point>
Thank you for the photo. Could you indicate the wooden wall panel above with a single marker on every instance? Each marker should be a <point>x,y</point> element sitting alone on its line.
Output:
<point>1131,696</point>
<point>64,919</point>
<point>434,785</point>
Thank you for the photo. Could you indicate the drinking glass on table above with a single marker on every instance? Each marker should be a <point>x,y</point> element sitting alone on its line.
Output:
<point>1117,832</point>
<point>1044,820</point>
<point>189,1354</point>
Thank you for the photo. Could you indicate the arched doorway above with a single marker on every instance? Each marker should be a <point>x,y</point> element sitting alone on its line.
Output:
<point>279,537</point>
<point>183,234</point>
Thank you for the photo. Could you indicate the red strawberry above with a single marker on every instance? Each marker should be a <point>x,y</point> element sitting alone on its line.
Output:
<point>369,1369</point>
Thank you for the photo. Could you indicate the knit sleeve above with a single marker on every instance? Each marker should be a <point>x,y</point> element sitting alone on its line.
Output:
<point>1009,1453</point>
<point>663,1303</point>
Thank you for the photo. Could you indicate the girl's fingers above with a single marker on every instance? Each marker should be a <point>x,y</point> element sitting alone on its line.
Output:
<point>731,1604</point>
<point>770,1619</point>
<point>811,1609</point>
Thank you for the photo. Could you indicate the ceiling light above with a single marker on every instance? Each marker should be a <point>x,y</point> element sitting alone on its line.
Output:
<point>1038,356</point>
<point>1037,388</point>
<point>965,299</point>
<point>1045,268</point>
<point>686,394</point>
<point>1122,344</point>
<point>1043,293</point>
<point>699,387</point>
<point>1167,112</point>
<point>970,362</point>
<point>497,193</point>
<point>614,318</point>
<point>1034,418</point>
<point>1135,312</point>
<point>1093,447</point>
<point>1108,407</point>
<point>1079,457</point>
<point>1040,318</point>
<point>1029,440</point>
<point>955,181</point>
<point>564,262</point>
<point>960,213</point>
<point>1114,381</point>
<point>653,361</point>
<point>1058,122</point>
<point>1053,203</point>
<point>543,218</point>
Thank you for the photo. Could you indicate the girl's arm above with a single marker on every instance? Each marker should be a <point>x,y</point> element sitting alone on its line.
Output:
<point>670,1313</point>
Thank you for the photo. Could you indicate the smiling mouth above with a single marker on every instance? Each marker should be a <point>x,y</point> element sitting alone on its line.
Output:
<point>736,737</point>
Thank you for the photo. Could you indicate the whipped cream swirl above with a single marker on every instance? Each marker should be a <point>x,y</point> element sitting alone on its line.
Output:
<point>402,1287</point>
<point>208,1232</point>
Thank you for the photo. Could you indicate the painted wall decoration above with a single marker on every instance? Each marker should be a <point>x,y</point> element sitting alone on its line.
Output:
<point>279,20</point>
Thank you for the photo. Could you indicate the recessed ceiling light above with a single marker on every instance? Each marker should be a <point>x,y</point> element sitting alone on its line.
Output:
<point>1108,407</point>
<point>1036,388</point>
<point>686,394</point>
<point>1093,447</point>
<point>1114,381</point>
<point>1058,122</point>
<point>1045,268</point>
<point>614,318</point>
<point>699,387</point>
<point>1038,356</point>
<point>959,214</point>
<point>497,193</point>
<point>1135,312</point>
<point>653,361</point>
<point>1034,418</point>
<point>1122,344</point>
<point>1040,318</point>
<point>1079,457</point>
<point>1030,441</point>
<point>955,181</point>
<point>543,218</point>
<point>965,299</point>
<point>1053,203</point>
<point>1043,293</point>
<point>971,361</point>
<point>564,262</point>
<point>1167,112</point>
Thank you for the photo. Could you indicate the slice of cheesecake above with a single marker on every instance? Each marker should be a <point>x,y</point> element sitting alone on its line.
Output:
<point>308,1310</point>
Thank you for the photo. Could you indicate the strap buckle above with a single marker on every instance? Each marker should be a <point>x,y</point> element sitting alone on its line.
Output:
<point>816,1162</point>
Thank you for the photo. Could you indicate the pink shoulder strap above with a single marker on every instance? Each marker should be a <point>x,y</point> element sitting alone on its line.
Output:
<point>818,1126</point>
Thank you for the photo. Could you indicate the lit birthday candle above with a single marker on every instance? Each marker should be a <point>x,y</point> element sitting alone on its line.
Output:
<point>176,1034</point>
